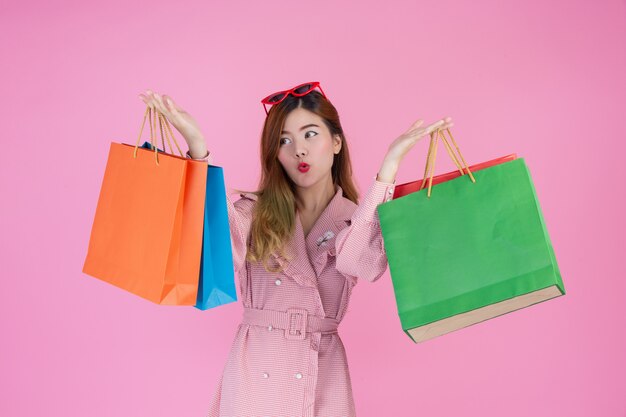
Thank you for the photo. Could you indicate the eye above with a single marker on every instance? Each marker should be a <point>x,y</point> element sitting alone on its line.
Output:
<point>308,131</point>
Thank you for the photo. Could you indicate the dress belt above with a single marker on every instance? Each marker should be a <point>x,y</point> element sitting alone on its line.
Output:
<point>296,321</point>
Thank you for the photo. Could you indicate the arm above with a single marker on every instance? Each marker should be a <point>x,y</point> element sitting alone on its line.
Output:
<point>239,212</point>
<point>240,221</point>
<point>359,247</point>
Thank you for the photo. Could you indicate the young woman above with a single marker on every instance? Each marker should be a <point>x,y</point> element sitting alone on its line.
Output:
<point>300,243</point>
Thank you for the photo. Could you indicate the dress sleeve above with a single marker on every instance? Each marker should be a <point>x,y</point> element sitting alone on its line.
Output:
<point>360,252</point>
<point>239,220</point>
<point>206,158</point>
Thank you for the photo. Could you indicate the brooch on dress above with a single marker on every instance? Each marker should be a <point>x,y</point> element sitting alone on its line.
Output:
<point>322,240</point>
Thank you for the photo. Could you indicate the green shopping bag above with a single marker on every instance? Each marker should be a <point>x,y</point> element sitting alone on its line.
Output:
<point>472,247</point>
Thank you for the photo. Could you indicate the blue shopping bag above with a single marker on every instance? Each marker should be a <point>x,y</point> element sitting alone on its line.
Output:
<point>216,285</point>
<point>217,276</point>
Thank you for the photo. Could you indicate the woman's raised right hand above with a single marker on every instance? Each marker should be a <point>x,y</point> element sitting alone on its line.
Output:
<point>179,118</point>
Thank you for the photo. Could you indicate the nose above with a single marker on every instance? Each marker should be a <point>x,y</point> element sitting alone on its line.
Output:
<point>300,151</point>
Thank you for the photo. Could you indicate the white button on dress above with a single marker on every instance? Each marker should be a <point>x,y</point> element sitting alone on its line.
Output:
<point>270,328</point>
<point>266,375</point>
<point>278,282</point>
<point>298,375</point>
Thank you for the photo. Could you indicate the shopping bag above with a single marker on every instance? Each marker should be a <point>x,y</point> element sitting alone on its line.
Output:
<point>217,277</point>
<point>146,236</point>
<point>470,247</point>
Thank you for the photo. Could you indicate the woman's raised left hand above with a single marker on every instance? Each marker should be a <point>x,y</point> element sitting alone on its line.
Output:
<point>401,146</point>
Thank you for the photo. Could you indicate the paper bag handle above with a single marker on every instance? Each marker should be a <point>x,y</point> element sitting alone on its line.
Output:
<point>168,130</point>
<point>429,169</point>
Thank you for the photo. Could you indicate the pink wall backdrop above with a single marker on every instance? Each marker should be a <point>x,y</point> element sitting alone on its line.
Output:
<point>542,79</point>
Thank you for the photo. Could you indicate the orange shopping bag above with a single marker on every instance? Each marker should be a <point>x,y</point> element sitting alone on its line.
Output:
<point>146,236</point>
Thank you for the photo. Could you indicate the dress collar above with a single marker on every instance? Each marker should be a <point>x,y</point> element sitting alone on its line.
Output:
<point>320,242</point>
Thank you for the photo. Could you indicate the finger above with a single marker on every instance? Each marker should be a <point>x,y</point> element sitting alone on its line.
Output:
<point>143,98</point>
<point>166,110</point>
<point>421,133</point>
<point>159,104</point>
<point>435,126</point>
<point>418,133</point>
<point>150,99</point>
<point>169,103</point>
<point>155,101</point>
<point>415,125</point>
<point>447,123</point>
<point>412,130</point>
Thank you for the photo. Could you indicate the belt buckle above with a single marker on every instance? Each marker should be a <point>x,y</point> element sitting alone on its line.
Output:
<point>296,333</point>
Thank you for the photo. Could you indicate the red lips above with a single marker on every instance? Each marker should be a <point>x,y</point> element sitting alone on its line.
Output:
<point>303,167</point>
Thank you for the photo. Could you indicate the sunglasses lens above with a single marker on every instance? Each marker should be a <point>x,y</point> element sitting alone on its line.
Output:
<point>303,89</point>
<point>276,98</point>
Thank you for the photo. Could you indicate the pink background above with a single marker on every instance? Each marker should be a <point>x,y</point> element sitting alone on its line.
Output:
<point>542,79</point>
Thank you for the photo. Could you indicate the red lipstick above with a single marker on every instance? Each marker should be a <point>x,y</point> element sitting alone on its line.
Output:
<point>303,167</point>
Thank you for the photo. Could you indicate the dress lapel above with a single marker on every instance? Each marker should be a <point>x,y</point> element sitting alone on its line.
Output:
<point>298,267</point>
<point>310,253</point>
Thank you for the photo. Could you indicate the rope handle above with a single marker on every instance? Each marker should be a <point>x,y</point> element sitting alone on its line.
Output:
<point>148,114</point>
<point>429,169</point>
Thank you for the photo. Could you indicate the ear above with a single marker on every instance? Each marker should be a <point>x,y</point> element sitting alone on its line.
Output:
<point>336,144</point>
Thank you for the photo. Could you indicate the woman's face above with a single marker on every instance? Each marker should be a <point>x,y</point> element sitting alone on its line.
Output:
<point>305,138</point>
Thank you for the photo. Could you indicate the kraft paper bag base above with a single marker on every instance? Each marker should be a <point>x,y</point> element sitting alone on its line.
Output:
<point>450,324</point>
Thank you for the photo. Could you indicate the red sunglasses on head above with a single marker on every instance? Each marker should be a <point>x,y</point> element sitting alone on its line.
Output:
<point>297,91</point>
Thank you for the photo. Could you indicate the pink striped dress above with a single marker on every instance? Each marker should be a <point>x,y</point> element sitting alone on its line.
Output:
<point>287,358</point>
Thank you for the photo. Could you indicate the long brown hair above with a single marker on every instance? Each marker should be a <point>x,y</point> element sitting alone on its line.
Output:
<point>273,219</point>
